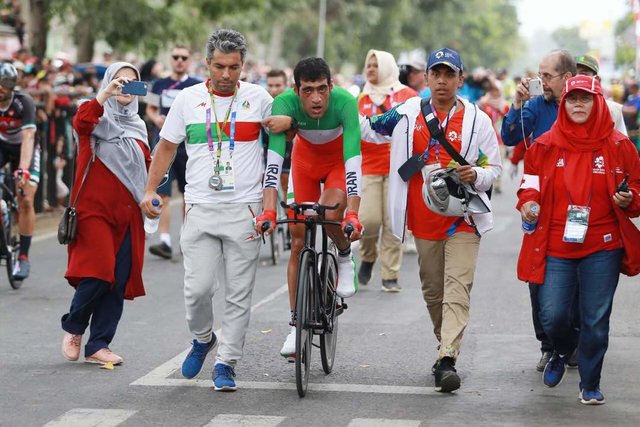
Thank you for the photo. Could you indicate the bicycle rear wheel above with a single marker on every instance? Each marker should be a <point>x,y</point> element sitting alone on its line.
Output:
<point>329,338</point>
<point>304,322</point>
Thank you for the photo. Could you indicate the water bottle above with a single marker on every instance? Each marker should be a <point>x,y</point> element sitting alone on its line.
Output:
<point>5,213</point>
<point>528,227</point>
<point>151,224</point>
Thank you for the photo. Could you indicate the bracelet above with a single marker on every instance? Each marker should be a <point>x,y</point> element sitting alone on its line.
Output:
<point>294,124</point>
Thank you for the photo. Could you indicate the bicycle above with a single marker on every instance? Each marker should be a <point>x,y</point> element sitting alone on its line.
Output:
<point>10,236</point>
<point>317,305</point>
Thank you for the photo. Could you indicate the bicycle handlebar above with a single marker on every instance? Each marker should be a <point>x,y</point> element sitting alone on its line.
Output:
<point>298,208</point>
<point>348,229</point>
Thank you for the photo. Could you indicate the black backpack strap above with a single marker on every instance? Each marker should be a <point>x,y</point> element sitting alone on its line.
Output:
<point>436,131</point>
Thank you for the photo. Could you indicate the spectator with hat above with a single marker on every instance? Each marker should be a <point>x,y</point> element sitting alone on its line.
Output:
<point>587,65</point>
<point>412,73</point>
<point>582,185</point>
<point>448,243</point>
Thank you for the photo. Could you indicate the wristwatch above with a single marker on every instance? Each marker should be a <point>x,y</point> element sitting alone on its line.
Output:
<point>294,124</point>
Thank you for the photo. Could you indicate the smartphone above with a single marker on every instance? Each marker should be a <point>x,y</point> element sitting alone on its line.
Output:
<point>624,185</point>
<point>135,87</point>
<point>535,87</point>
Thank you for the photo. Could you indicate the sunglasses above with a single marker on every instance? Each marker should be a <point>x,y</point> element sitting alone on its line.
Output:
<point>176,57</point>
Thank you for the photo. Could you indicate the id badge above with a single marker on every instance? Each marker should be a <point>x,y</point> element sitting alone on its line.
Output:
<point>226,171</point>
<point>577,224</point>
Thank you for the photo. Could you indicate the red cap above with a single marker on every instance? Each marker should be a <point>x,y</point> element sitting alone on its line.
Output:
<point>584,83</point>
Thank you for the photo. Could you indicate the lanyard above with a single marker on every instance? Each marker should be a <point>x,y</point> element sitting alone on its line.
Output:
<point>219,129</point>
<point>445,123</point>
<point>374,111</point>
<point>566,187</point>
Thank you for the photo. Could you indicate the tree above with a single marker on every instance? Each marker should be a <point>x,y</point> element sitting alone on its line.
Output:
<point>569,39</point>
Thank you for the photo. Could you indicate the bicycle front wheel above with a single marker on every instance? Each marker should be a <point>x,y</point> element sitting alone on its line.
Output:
<point>304,321</point>
<point>11,242</point>
<point>329,338</point>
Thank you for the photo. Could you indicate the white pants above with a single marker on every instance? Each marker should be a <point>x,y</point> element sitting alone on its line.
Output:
<point>219,238</point>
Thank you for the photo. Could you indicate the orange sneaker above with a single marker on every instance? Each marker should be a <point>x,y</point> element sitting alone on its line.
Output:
<point>104,355</point>
<point>71,346</point>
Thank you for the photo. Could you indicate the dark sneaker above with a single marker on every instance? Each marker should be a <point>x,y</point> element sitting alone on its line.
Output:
<point>391,285</point>
<point>223,378</point>
<point>554,371</point>
<point>591,397</point>
<point>546,355</point>
<point>364,273</point>
<point>162,250</point>
<point>434,368</point>
<point>22,268</point>
<point>192,364</point>
<point>447,379</point>
<point>573,360</point>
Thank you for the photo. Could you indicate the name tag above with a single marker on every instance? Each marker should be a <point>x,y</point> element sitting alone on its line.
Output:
<point>575,229</point>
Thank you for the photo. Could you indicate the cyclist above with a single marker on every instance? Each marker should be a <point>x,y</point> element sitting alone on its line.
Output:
<point>326,150</point>
<point>18,147</point>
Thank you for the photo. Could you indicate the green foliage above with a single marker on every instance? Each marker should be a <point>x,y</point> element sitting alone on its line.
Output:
<point>484,31</point>
<point>569,39</point>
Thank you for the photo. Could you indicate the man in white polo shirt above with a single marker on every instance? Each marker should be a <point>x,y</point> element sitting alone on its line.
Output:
<point>219,120</point>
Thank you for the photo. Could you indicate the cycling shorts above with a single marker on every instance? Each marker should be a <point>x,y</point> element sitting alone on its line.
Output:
<point>10,153</point>
<point>311,167</point>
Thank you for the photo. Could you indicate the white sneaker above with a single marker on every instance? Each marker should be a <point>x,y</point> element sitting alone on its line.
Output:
<point>347,284</point>
<point>289,347</point>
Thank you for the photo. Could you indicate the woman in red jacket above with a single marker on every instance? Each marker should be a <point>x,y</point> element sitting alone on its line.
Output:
<point>105,260</point>
<point>583,238</point>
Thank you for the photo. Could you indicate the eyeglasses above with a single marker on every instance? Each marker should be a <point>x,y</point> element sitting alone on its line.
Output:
<point>548,77</point>
<point>583,98</point>
<point>176,57</point>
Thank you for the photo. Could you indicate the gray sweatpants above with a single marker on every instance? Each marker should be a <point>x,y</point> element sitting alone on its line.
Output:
<point>219,237</point>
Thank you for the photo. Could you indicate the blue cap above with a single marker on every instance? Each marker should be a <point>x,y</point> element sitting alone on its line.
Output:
<point>446,56</point>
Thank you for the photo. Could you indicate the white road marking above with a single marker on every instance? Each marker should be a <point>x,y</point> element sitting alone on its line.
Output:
<point>158,376</point>
<point>235,420</point>
<point>87,417</point>
<point>382,422</point>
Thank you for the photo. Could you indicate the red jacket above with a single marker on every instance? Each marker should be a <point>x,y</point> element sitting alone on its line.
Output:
<point>106,209</point>
<point>620,157</point>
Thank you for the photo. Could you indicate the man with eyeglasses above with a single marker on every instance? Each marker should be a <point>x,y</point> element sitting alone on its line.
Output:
<point>531,117</point>
<point>159,101</point>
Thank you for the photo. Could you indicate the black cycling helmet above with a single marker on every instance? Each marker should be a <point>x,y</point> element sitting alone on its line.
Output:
<point>8,76</point>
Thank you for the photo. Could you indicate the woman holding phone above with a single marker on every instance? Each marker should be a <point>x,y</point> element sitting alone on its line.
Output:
<point>105,260</point>
<point>581,185</point>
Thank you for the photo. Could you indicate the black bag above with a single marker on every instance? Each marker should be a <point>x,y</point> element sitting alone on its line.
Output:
<point>68,225</point>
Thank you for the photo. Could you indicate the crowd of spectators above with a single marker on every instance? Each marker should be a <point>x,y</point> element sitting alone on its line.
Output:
<point>57,85</point>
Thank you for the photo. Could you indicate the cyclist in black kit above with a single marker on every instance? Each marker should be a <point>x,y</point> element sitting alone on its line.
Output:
<point>18,147</point>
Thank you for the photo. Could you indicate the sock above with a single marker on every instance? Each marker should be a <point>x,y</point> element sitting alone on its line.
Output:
<point>345,253</point>
<point>25,243</point>
<point>165,238</point>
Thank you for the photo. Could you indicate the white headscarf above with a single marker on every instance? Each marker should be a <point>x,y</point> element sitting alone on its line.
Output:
<point>116,134</point>
<point>388,74</point>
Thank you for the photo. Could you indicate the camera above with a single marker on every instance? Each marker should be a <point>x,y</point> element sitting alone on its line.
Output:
<point>535,87</point>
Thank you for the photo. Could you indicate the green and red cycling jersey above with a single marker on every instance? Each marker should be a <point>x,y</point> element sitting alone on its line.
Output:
<point>322,147</point>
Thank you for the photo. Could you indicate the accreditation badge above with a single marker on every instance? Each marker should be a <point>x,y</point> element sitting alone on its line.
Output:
<point>575,229</point>
<point>226,171</point>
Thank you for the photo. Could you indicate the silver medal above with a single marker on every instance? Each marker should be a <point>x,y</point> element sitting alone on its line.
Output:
<point>215,182</point>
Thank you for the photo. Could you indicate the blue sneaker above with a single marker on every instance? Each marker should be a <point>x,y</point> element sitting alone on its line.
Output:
<point>554,371</point>
<point>22,268</point>
<point>192,364</point>
<point>591,397</point>
<point>223,378</point>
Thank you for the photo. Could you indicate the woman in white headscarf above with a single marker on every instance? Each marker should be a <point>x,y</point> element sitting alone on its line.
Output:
<point>105,260</point>
<point>382,91</point>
